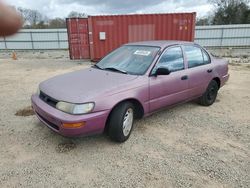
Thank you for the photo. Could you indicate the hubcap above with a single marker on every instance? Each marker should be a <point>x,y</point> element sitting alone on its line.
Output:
<point>128,121</point>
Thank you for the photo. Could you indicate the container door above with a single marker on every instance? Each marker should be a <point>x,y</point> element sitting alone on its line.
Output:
<point>78,38</point>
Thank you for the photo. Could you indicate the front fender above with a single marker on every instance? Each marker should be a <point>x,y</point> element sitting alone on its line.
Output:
<point>141,94</point>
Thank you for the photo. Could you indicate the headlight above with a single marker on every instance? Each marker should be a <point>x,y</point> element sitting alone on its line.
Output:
<point>75,108</point>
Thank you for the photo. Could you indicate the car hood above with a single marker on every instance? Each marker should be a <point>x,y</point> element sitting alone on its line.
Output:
<point>84,85</point>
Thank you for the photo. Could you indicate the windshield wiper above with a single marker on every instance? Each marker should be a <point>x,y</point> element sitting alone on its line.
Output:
<point>115,69</point>
<point>96,66</point>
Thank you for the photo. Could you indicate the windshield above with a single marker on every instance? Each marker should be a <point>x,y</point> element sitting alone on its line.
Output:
<point>129,59</point>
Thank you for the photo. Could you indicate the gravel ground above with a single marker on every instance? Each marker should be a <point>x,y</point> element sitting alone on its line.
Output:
<point>186,146</point>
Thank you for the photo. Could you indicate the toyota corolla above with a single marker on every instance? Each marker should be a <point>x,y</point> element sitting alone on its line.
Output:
<point>131,82</point>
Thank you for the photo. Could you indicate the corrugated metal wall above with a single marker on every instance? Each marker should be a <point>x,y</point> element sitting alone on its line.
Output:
<point>209,36</point>
<point>223,35</point>
<point>28,39</point>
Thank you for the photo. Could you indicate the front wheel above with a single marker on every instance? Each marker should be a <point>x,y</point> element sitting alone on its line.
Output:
<point>210,95</point>
<point>121,121</point>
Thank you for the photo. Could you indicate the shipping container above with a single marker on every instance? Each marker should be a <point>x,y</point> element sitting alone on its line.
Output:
<point>109,32</point>
<point>105,33</point>
<point>78,38</point>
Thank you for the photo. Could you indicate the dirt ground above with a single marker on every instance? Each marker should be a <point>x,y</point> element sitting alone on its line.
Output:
<point>186,146</point>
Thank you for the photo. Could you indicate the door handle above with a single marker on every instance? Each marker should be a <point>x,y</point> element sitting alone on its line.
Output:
<point>184,77</point>
<point>210,70</point>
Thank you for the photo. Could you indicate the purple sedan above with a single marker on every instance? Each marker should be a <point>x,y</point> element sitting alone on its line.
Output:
<point>131,82</point>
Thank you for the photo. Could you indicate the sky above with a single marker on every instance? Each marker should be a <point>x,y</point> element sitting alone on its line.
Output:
<point>61,8</point>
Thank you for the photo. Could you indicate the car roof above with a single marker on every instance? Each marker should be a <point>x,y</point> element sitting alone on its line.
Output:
<point>160,43</point>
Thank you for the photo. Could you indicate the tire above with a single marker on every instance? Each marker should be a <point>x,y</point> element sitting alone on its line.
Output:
<point>121,122</point>
<point>210,95</point>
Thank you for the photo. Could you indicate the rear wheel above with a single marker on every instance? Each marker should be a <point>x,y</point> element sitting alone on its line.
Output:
<point>121,121</point>
<point>210,95</point>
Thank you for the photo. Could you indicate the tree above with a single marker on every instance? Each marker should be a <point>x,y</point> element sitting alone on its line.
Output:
<point>57,23</point>
<point>30,17</point>
<point>35,17</point>
<point>247,17</point>
<point>40,25</point>
<point>74,14</point>
<point>205,20</point>
<point>231,12</point>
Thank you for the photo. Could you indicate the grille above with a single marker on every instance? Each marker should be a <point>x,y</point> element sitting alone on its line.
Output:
<point>52,125</point>
<point>47,99</point>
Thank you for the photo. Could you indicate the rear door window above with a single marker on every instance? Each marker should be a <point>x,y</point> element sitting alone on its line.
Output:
<point>194,56</point>
<point>206,57</point>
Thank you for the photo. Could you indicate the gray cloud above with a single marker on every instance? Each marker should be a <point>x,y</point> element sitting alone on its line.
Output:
<point>117,5</point>
<point>188,3</point>
<point>130,6</point>
<point>61,8</point>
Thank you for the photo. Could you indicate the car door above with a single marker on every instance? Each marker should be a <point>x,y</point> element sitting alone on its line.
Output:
<point>200,69</point>
<point>166,90</point>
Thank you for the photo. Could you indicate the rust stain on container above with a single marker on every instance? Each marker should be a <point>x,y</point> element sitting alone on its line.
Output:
<point>109,32</point>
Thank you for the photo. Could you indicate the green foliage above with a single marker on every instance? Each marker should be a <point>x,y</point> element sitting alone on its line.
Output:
<point>228,12</point>
<point>204,21</point>
<point>40,25</point>
<point>57,23</point>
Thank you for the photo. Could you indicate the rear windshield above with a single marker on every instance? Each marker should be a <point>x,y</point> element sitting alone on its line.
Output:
<point>130,59</point>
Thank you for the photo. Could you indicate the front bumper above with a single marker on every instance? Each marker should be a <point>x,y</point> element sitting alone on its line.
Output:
<point>54,119</point>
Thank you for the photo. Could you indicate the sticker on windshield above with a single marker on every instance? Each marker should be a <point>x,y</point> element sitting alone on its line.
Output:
<point>142,52</point>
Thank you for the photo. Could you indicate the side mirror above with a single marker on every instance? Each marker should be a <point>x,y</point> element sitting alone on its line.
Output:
<point>162,71</point>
